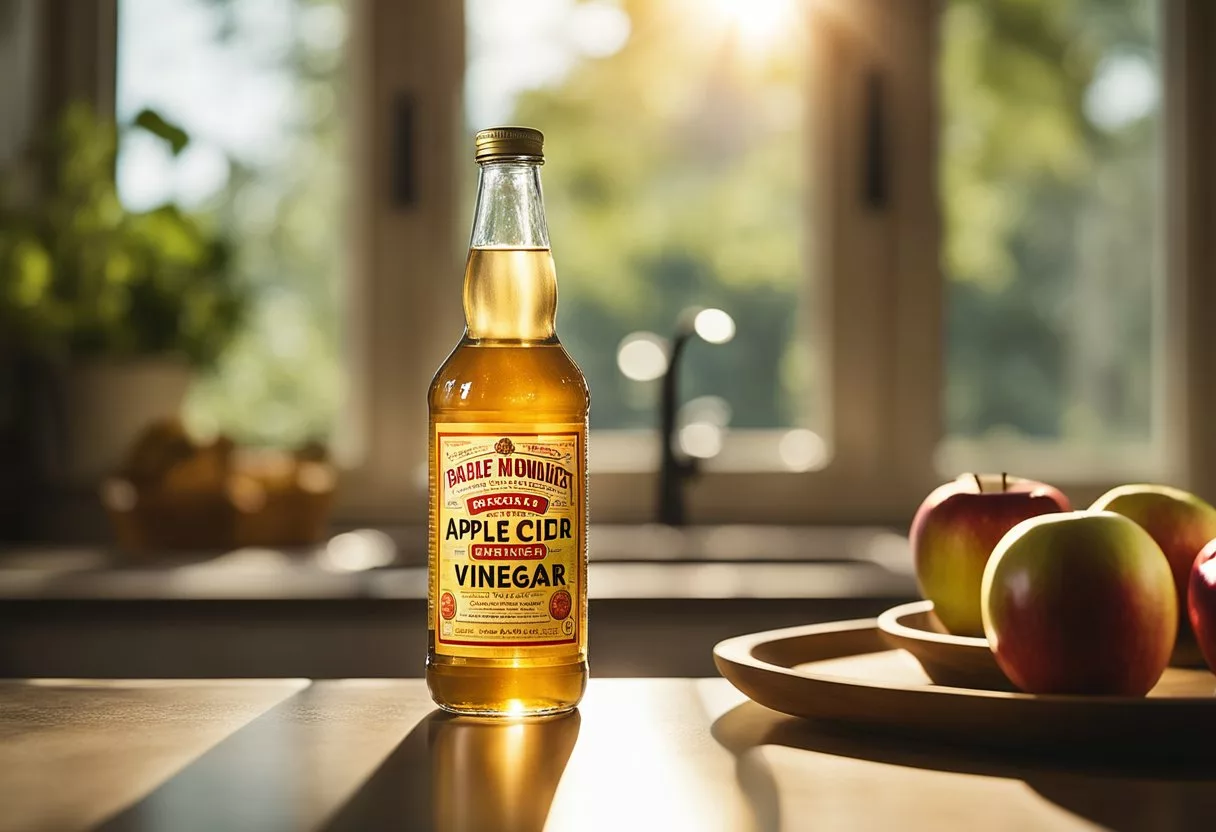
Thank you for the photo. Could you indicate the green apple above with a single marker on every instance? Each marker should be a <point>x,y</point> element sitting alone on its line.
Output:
<point>953,534</point>
<point>1180,522</point>
<point>1080,602</point>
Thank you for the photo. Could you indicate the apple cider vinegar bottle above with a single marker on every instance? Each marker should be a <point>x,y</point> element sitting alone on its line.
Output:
<point>507,606</point>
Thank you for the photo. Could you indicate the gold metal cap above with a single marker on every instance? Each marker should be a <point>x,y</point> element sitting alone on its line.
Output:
<point>509,143</point>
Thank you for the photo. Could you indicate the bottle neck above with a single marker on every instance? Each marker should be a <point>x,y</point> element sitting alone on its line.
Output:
<point>510,288</point>
<point>510,210</point>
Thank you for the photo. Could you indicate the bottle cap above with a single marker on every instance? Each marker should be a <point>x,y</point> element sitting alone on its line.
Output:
<point>509,143</point>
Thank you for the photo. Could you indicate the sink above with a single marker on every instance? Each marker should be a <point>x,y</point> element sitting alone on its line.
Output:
<point>661,597</point>
<point>750,544</point>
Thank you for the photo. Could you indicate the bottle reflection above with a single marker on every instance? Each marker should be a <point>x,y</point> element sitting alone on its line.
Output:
<point>498,775</point>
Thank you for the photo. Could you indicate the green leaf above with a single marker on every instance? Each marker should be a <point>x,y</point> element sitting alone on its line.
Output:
<point>32,270</point>
<point>154,123</point>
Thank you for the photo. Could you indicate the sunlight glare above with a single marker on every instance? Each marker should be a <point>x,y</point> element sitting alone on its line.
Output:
<point>759,23</point>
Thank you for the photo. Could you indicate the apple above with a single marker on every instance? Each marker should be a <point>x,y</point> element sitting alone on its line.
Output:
<point>1180,522</point>
<point>1080,602</point>
<point>1201,602</point>
<point>953,534</point>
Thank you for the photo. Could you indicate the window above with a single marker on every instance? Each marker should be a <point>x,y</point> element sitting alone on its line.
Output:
<point>259,87</point>
<point>1005,303</point>
<point>1051,182</point>
<point>677,133</point>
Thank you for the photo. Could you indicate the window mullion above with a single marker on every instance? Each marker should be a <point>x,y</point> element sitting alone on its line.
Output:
<point>884,262</point>
<point>918,291</point>
<point>873,262</point>
<point>406,306</point>
<point>1190,213</point>
<point>851,241</point>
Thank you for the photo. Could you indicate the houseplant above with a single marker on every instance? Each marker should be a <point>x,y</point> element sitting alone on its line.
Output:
<point>122,306</point>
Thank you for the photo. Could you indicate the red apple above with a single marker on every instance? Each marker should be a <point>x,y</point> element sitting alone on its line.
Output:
<point>1080,602</point>
<point>1180,522</point>
<point>1201,602</point>
<point>953,534</point>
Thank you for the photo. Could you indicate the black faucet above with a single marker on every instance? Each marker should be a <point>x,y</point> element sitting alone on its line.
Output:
<point>674,468</point>
<point>675,465</point>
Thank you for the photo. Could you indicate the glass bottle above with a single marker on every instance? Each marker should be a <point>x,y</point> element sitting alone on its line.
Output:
<point>507,605</point>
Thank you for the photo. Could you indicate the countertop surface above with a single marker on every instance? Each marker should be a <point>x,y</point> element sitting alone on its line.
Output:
<point>640,754</point>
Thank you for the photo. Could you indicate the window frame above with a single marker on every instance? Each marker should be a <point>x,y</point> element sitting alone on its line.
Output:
<point>873,255</point>
<point>885,366</point>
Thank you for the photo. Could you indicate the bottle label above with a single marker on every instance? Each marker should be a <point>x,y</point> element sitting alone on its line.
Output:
<point>507,549</point>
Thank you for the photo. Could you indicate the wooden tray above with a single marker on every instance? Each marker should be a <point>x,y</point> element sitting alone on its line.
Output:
<point>955,661</point>
<point>845,673</point>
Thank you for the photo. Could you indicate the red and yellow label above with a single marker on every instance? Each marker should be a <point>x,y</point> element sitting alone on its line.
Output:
<point>509,537</point>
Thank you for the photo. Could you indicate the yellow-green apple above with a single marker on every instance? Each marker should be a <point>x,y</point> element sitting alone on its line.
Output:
<point>1180,522</point>
<point>1080,602</point>
<point>953,534</point>
<point>1201,602</point>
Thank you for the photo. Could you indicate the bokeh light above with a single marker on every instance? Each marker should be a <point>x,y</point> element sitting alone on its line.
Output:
<point>714,325</point>
<point>642,356</point>
<point>802,450</point>
<point>701,440</point>
<point>713,410</point>
<point>358,551</point>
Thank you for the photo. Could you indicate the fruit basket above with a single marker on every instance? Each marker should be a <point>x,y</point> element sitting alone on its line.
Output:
<point>175,493</point>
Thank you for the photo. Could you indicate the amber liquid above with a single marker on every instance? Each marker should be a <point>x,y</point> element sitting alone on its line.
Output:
<point>499,776</point>
<point>508,369</point>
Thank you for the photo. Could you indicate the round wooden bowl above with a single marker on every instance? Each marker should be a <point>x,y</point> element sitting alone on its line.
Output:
<point>846,672</point>
<point>954,661</point>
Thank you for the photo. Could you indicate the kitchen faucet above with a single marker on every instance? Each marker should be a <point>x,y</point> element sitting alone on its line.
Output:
<point>675,467</point>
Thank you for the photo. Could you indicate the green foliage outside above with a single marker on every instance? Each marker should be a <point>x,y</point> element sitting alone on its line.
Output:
<point>82,278</point>
<point>678,178</point>
<point>283,381</point>
<point>1051,242</point>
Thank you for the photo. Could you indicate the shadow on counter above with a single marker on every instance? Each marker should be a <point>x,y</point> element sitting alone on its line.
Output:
<point>1128,795</point>
<point>296,766</point>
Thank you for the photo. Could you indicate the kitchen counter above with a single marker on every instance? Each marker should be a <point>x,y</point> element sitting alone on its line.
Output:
<point>640,754</point>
